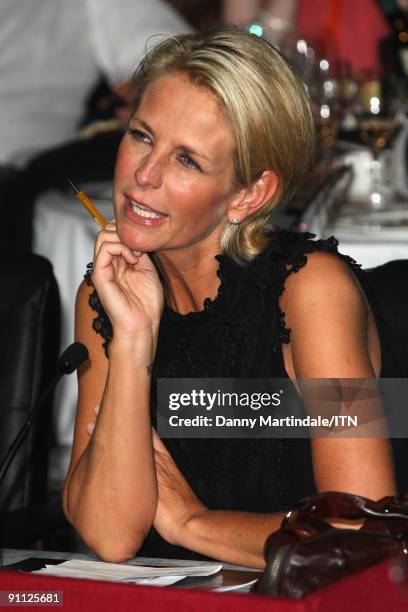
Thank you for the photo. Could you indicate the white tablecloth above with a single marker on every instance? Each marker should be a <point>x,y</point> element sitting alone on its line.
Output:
<point>372,254</point>
<point>65,234</point>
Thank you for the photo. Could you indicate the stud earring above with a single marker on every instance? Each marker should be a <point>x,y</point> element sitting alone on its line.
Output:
<point>235,221</point>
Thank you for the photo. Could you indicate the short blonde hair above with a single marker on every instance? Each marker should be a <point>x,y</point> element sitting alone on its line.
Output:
<point>267,106</point>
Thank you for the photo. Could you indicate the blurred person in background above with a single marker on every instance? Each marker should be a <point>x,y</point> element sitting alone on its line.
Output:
<point>324,24</point>
<point>203,15</point>
<point>52,54</point>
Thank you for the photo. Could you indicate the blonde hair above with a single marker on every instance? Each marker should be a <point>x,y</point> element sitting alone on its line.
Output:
<point>267,106</point>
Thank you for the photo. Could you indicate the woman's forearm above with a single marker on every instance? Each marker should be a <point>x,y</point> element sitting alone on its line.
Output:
<point>233,537</point>
<point>111,495</point>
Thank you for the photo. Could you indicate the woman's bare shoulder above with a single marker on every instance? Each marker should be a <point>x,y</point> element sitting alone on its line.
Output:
<point>82,298</point>
<point>331,337</point>
<point>324,275</point>
<point>327,313</point>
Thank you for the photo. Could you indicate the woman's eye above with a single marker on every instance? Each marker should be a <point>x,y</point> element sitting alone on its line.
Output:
<point>139,135</point>
<point>189,162</point>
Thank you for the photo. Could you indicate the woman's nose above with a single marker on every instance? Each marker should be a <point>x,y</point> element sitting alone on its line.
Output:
<point>149,172</point>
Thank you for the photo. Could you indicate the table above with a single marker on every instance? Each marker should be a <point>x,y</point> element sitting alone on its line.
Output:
<point>376,588</point>
<point>372,254</point>
<point>246,574</point>
<point>371,248</point>
<point>317,218</point>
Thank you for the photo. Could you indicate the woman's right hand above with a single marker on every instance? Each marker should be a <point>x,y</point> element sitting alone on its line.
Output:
<point>127,284</point>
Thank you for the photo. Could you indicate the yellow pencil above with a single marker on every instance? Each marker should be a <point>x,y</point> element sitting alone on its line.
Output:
<point>90,207</point>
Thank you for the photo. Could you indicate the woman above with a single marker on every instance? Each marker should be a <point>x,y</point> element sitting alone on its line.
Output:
<point>221,131</point>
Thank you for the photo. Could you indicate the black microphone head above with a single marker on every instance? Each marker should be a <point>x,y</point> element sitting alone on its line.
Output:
<point>72,358</point>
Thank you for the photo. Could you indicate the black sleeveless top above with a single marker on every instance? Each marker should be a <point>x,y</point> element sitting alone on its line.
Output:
<point>239,334</point>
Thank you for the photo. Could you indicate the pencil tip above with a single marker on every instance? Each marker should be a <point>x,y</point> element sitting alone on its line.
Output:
<point>74,187</point>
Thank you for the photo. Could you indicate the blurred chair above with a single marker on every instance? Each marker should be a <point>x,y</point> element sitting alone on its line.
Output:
<point>390,282</point>
<point>30,336</point>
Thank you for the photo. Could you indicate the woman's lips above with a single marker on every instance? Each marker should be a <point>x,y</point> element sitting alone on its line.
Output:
<point>142,214</point>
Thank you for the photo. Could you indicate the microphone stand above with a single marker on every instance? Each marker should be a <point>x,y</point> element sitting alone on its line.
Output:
<point>69,361</point>
<point>22,434</point>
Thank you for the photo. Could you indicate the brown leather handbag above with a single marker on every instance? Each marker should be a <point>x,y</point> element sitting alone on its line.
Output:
<point>307,553</point>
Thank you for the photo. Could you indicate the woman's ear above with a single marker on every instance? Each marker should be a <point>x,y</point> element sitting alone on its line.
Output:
<point>252,198</point>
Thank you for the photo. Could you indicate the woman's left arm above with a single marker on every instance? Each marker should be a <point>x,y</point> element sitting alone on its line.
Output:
<point>333,335</point>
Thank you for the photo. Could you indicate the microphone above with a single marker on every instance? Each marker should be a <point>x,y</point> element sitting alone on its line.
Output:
<point>70,360</point>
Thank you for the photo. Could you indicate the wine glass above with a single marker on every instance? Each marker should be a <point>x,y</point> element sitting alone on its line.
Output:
<point>377,131</point>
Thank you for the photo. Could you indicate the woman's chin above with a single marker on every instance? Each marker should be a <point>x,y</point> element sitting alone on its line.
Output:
<point>134,241</point>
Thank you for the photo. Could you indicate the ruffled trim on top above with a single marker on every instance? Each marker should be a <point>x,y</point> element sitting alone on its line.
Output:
<point>210,305</point>
<point>294,258</point>
<point>288,250</point>
<point>101,324</point>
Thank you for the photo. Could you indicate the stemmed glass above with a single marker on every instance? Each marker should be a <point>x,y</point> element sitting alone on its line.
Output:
<point>377,130</point>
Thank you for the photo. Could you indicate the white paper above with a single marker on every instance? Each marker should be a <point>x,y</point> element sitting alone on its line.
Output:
<point>139,574</point>
<point>235,587</point>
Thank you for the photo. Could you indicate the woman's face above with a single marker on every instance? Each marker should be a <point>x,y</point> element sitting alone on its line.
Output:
<point>174,172</point>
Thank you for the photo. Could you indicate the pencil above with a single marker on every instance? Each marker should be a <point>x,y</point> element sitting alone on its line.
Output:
<point>90,207</point>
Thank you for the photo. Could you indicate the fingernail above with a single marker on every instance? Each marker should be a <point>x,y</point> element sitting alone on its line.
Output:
<point>97,408</point>
<point>90,428</point>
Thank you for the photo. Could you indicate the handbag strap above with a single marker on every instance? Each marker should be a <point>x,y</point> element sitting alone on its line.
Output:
<point>334,504</point>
